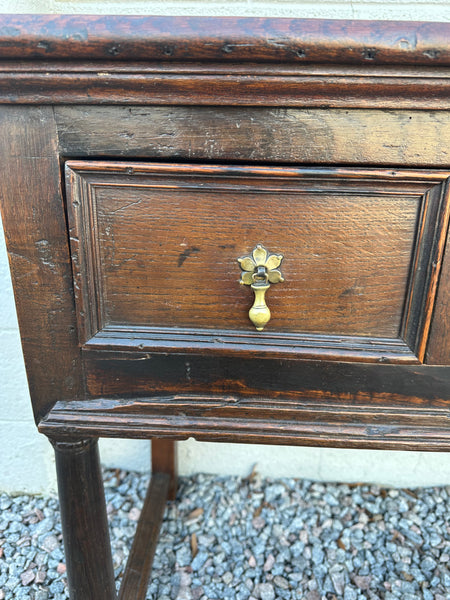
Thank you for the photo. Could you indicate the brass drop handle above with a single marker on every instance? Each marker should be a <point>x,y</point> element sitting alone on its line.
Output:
<point>259,270</point>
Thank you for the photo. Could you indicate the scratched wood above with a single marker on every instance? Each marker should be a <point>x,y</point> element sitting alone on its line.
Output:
<point>231,39</point>
<point>171,353</point>
<point>281,135</point>
<point>439,344</point>
<point>352,251</point>
<point>363,420</point>
<point>121,374</point>
<point>170,60</point>
<point>347,256</point>
<point>36,237</point>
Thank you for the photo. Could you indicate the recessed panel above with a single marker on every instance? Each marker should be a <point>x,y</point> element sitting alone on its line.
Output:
<point>157,247</point>
<point>168,257</point>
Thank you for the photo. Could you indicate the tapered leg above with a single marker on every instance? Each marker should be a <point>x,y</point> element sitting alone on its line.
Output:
<point>87,546</point>
<point>164,460</point>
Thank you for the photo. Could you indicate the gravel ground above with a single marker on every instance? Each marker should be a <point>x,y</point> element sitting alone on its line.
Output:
<point>245,539</point>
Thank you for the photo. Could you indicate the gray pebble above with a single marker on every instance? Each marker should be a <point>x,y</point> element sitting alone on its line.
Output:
<point>22,594</point>
<point>338,579</point>
<point>312,595</point>
<point>264,591</point>
<point>310,540</point>
<point>57,588</point>
<point>317,555</point>
<point>43,526</point>
<point>199,560</point>
<point>183,556</point>
<point>227,577</point>
<point>350,593</point>
<point>281,582</point>
<point>49,543</point>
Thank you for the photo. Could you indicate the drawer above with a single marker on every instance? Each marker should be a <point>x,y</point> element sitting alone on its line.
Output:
<point>155,251</point>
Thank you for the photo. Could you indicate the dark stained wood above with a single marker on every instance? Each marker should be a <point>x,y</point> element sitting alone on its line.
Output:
<point>87,547</point>
<point>230,39</point>
<point>235,419</point>
<point>431,238</point>
<point>338,88</point>
<point>139,565</point>
<point>36,236</point>
<point>354,240</point>
<point>438,351</point>
<point>335,236</point>
<point>193,60</point>
<point>165,460</point>
<point>273,135</point>
<point>324,140</point>
<point>220,342</point>
<point>135,374</point>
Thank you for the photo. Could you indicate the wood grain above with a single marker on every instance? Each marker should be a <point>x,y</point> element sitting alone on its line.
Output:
<point>139,565</point>
<point>342,88</point>
<point>438,351</point>
<point>431,239</point>
<point>218,61</point>
<point>221,342</point>
<point>349,237</point>
<point>165,460</point>
<point>36,237</point>
<point>228,39</point>
<point>274,135</point>
<point>87,547</point>
<point>254,421</point>
<point>165,251</point>
<point>361,113</point>
<point>120,374</point>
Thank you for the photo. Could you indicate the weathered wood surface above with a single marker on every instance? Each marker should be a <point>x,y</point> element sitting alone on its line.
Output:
<point>165,246</point>
<point>438,352</point>
<point>431,237</point>
<point>221,342</point>
<point>348,87</point>
<point>234,419</point>
<point>133,374</point>
<point>36,237</point>
<point>139,565</point>
<point>230,39</point>
<point>274,135</point>
<point>193,60</point>
<point>87,547</point>
<point>356,243</point>
<point>226,91</point>
<point>165,460</point>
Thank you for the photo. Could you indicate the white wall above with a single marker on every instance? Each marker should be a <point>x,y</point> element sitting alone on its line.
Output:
<point>418,10</point>
<point>26,462</point>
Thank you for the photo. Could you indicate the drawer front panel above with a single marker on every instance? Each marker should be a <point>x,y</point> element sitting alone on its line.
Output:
<point>155,251</point>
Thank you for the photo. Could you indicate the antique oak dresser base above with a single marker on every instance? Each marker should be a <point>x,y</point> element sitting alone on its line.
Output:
<point>150,165</point>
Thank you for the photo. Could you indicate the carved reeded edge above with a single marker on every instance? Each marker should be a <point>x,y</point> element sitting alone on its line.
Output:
<point>49,59</point>
<point>227,39</point>
<point>76,446</point>
<point>396,428</point>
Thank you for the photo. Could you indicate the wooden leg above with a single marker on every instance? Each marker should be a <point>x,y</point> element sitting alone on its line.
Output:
<point>87,546</point>
<point>162,487</point>
<point>164,460</point>
<point>139,566</point>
